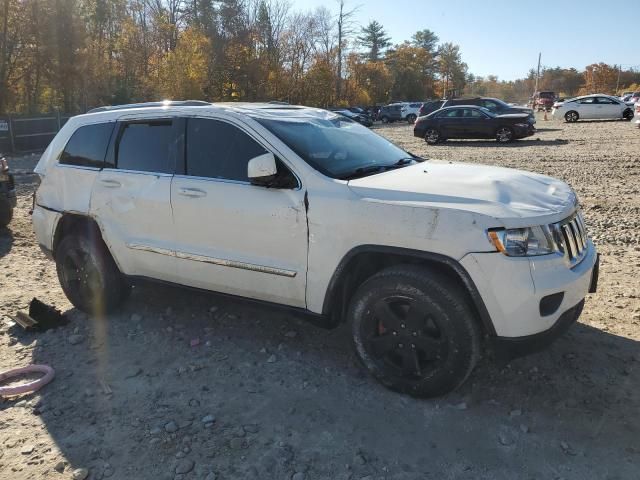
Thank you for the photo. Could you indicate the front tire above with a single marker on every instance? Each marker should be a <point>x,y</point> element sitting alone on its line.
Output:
<point>6,212</point>
<point>504,135</point>
<point>411,118</point>
<point>432,136</point>
<point>571,117</point>
<point>385,119</point>
<point>88,274</point>
<point>415,331</point>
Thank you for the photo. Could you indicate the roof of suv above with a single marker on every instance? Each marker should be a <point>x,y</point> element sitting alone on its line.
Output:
<point>247,108</point>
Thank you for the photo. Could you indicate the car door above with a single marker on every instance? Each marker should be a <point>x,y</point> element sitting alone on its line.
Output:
<point>232,236</point>
<point>477,124</point>
<point>71,181</point>
<point>609,108</point>
<point>131,198</point>
<point>587,108</point>
<point>451,123</point>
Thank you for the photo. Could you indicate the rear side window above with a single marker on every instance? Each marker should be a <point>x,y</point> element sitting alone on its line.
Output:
<point>147,147</point>
<point>87,146</point>
<point>217,149</point>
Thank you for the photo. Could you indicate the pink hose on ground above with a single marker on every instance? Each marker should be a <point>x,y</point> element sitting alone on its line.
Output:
<point>26,387</point>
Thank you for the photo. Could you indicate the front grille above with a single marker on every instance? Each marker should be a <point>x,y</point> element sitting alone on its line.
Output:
<point>571,238</point>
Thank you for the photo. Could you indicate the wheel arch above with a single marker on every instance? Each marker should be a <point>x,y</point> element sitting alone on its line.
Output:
<point>75,223</point>
<point>363,261</point>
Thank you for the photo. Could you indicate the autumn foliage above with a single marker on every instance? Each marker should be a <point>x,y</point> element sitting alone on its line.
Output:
<point>72,55</point>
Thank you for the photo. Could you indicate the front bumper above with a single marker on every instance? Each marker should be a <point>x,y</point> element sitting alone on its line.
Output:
<point>512,288</point>
<point>522,132</point>
<point>507,348</point>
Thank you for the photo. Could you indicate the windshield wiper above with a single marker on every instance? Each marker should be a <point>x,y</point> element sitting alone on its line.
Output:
<point>364,171</point>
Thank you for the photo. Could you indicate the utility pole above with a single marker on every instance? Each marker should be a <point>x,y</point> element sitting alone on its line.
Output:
<point>538,73</point>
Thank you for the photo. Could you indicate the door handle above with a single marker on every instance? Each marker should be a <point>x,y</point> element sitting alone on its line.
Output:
<point>106,182</point>
<point>192,192</point>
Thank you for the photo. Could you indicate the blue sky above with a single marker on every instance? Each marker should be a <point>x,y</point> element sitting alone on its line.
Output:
<point>503,37</point>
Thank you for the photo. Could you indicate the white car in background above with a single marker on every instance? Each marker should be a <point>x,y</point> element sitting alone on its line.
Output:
<point>410,111</point>
<point>637,114</point>
<point>589,107</point>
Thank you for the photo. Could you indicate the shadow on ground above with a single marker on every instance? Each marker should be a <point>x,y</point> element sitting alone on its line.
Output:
<point>6,241</point>
<point>514,144</point>
<point>129,399</point>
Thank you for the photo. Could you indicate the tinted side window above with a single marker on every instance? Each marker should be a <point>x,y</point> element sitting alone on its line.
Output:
<point>147,147</point>
<point>87,146</point>
<point>493,106</point>
<point>217,149</point>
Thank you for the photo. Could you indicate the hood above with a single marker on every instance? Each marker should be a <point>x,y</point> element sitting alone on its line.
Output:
<point>528,111</point>
<point>513,197</point>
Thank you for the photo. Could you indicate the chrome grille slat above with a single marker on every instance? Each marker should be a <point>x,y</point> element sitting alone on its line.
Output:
<point>583,231</point>
<point>576,237</point>
<point>571,238</point>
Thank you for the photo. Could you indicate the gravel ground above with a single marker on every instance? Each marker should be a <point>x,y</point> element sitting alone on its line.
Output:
<point>265,395</point>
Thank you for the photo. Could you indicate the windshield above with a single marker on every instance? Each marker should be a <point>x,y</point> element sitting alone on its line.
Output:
<point>488,112</point>
<point>336,146</point>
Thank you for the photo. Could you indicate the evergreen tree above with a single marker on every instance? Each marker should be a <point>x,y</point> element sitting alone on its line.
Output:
<point>374,39</point>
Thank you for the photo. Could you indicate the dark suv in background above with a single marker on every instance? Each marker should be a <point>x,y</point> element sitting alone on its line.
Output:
<point>430,107</point>
<point>390,113</point>
<point>494,105</point>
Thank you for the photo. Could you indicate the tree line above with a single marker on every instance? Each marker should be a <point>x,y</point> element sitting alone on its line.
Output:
<point>72,55</point>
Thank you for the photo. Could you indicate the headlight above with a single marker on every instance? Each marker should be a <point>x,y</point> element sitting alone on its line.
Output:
<point>522,242</point>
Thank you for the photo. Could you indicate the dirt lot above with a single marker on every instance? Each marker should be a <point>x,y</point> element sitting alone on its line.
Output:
<point>265,395</point>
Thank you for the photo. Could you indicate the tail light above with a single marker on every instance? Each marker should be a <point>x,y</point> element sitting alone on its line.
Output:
<point>4,166</point>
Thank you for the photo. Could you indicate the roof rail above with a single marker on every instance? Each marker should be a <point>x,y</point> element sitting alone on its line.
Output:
<point>166,103</point>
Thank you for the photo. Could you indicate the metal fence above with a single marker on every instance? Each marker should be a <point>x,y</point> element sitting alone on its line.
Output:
<point>29,133</point>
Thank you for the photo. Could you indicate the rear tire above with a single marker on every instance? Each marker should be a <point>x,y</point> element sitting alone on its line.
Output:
<point>88,274</point>
<point>6,212</point>
<point>571,117</point>
<point>411,118</point>
<point>432,136</point>
<point>628,114</point>
<point>385,119</point>
<point>415,331</point>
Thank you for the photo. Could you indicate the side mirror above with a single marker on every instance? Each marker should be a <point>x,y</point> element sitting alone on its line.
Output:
<point>262,169</point>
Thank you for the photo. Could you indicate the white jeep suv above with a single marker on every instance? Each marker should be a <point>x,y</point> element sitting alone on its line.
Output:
<point>430,262</point>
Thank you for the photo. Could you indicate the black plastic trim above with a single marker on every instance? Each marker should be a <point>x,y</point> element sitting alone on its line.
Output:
<point>464,276</point>
<point>316,319</point>
<point>550,304</point>
<point>595,274</point>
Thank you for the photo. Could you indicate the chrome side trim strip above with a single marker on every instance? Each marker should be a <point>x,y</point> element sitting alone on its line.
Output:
<point>234,264</point>
<point>214,261</point>
<point>147,248</point>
